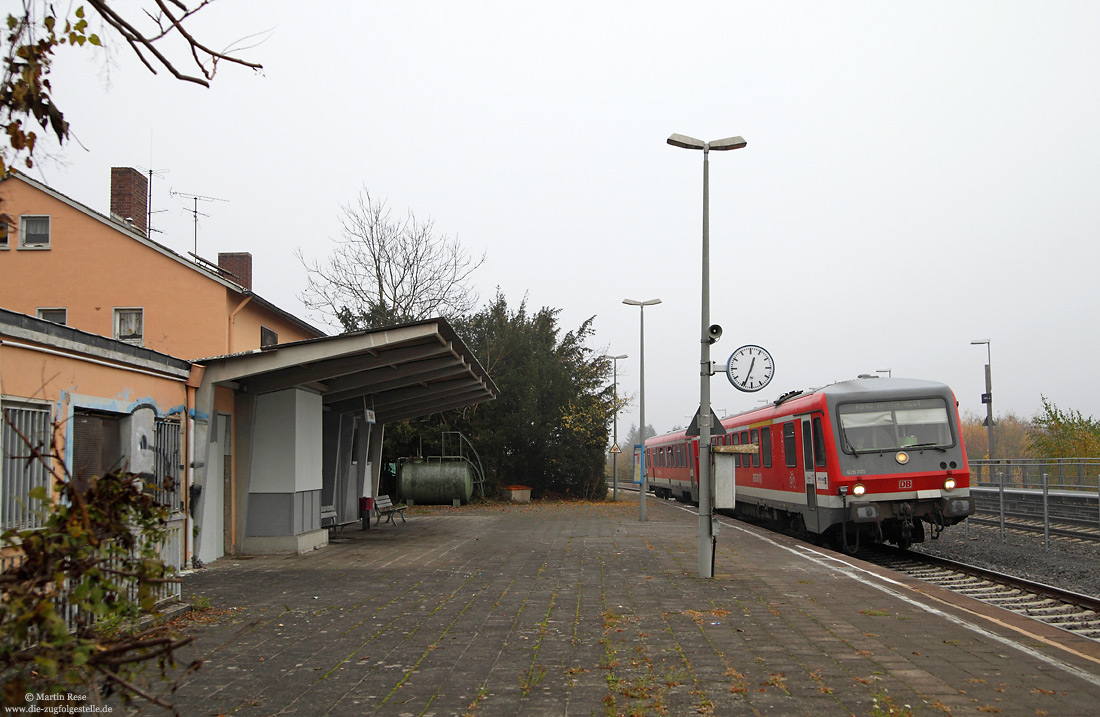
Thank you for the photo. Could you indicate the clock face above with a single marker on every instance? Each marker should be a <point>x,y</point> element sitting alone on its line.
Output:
<point>750,368</point>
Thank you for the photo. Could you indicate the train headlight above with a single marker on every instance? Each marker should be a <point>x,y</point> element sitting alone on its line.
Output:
<point>949,484</point>
<point>901,457</point>
<point>859,489</point>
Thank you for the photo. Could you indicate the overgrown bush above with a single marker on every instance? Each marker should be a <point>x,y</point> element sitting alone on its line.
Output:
<point>69,604</point>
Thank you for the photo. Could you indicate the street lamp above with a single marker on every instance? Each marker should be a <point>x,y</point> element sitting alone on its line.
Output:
<point>888,371</point>
<point>641,395</point>
<point>615,452</point>
<point>987,397</point>
<point>706,527</point>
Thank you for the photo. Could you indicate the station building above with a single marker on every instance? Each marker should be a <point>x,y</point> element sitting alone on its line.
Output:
<point>120,352</point>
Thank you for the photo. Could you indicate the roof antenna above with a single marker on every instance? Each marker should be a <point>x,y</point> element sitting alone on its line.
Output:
<point>159,173</point>
<point>196,198</point>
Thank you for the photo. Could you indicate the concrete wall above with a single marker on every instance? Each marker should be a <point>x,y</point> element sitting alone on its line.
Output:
<point>284,494</point>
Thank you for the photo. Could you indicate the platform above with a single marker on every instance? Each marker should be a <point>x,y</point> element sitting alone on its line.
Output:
<point>578,608</point>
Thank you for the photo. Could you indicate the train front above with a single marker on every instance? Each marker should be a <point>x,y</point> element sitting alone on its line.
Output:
<point>901,459</point>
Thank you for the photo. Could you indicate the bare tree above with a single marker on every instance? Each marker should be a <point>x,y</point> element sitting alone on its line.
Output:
<point>37,30</point>
<point>384,271</point>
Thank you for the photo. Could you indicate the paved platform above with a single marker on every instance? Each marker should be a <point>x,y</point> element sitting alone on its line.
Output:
<point>580,609</point>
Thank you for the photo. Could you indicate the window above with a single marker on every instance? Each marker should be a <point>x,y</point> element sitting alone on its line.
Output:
<point>19,476</point>
<point>736,456</point>
<point>268,337</point>
<point>766,446</point>
<point>819,442</point>
<point>34,232</point>
<point>790,453</point>
<point>57,316</point>
<point>755,438</point>
<point>130,325</point>
<point>4,230</point>
<point>894,425</point>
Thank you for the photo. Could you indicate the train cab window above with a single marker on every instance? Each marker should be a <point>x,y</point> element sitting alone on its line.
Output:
<point>735,439</point>
<point>790,453</point>
<point>819,442</point>
<point>766,446</point>
<point>755,438</point>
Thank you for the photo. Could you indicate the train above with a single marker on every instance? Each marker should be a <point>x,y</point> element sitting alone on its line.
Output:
<point>872,459</point>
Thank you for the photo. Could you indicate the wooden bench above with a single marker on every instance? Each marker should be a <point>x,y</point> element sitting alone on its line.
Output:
<point>384,506</point>
<point>330,520</point>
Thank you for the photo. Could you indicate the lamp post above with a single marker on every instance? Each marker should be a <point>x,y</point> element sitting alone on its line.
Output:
<point>615,453</point>
<point>706,528</point>
<point>641,394</point>
<point>987,397</point>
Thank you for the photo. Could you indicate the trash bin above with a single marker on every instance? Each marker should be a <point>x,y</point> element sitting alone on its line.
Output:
<point>366,505</point>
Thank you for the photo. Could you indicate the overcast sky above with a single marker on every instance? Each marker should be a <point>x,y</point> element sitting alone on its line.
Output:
<point>917,175</point>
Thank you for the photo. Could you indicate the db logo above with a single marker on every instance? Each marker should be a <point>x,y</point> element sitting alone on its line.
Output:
<point>905,485</point>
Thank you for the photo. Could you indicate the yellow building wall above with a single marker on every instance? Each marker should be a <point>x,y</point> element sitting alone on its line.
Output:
<point>91,268</point>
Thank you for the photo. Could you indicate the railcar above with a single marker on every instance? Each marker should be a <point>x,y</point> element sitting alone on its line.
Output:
<point>871,459</point>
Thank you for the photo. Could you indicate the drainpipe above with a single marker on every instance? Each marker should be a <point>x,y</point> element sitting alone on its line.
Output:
<point>232,319</point>
<point>193,383</point>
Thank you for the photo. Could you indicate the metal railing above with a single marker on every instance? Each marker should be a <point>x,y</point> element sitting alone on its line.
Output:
<point>1078,491</point>
<point>1062,473</point>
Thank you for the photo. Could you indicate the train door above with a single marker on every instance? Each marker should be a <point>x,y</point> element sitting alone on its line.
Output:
<point>808,466</point>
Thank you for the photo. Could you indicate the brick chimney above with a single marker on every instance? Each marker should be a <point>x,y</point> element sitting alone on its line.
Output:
<point>239,264</point>
<point>129,197</point>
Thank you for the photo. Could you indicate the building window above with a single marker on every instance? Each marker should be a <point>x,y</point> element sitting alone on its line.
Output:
<point>57,316</point>
<point>4,230</point>
<point>34,232</point>
<point>130,325</point>
<point>24,431</point>
<point>268,337</point>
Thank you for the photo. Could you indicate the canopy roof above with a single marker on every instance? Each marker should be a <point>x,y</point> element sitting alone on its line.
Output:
<point>398,371</point>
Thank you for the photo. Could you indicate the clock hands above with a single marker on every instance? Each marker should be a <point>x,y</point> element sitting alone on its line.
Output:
<point>749,372</point>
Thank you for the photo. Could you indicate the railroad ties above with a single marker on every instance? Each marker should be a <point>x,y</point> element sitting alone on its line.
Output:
<point>1079,614</point>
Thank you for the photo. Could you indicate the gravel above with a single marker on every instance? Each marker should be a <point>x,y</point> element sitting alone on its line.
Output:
<point>1068,564</point>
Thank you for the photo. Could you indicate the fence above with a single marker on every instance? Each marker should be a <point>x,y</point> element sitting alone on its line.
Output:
<point>1062,473</point>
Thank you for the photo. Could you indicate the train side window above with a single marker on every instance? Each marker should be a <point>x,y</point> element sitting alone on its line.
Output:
<point>755,438</point>
<point>766,446</point>
<point>819,442</point>
<point>807,447</point>
<point>736,440</point>
<point>790,453</point>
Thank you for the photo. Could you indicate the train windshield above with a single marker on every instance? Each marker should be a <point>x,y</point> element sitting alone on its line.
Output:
<point>895,425</point>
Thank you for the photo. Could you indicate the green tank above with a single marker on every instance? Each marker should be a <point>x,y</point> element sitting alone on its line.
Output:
<point>435,482</point>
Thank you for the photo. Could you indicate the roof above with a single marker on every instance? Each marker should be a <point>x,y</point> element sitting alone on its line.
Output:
<point>399,371</point>
<point>140,238</point>
<point>14,325</point>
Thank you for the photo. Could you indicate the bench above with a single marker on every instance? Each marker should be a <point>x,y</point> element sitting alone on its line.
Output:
<point>330,520</point>
<point>385,507</point>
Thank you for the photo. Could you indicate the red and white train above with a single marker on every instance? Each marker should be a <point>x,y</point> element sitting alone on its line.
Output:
<point>871,459</point>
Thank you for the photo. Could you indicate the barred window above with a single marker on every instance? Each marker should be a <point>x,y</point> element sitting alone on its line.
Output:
<point>25,430</point>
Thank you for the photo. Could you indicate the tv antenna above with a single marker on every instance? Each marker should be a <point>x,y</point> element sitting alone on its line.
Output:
<point>159,173</point>
<point>195,199</point>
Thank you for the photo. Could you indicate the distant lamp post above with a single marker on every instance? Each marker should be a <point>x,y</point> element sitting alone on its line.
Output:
<point>615,449</point>
<point>641,395</point>
<point>889,372</point>
<point>987,397</point>
<point>706,369</point>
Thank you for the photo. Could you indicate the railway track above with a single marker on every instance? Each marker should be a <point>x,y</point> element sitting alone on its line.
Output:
<point>1074,612</point>
<point>1028,524</point>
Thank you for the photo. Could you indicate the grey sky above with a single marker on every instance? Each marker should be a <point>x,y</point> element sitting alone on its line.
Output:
<point>917,175</point>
